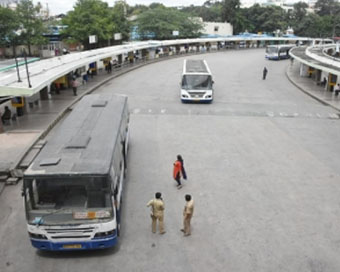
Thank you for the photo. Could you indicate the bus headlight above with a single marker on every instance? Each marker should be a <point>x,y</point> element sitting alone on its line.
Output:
<point>185,96</point>
<point>37,236</point>
<point>99,235</point>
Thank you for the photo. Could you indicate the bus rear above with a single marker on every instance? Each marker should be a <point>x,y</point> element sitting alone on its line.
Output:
<point>197,83</point>
<point>73,188</point>
<point>70,213</point>
<point>278,52</point>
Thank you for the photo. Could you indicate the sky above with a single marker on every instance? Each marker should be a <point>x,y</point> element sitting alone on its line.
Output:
<point>63,6</point>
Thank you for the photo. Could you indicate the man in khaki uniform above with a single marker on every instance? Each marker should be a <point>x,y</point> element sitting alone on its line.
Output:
<point>187,214</point>
<point>157,213</point>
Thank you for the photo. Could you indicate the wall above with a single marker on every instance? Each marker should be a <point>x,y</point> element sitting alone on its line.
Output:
<point>223,29</point>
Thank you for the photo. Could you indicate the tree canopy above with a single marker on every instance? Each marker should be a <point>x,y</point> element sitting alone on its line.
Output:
<point>95,17</point>
<point>22,25</point>
<point>160,23</point>
<point>9,24</point>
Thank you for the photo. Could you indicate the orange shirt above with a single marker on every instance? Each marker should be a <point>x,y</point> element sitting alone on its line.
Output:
<point>177,168</point>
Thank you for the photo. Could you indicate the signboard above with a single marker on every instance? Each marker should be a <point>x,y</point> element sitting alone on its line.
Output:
<point>117,36</point>
<point>92,39</point>
<point>17,102</point>
<point>175,33</point>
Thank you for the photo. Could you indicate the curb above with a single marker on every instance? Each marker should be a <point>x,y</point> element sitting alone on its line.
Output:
<point>308,92</point>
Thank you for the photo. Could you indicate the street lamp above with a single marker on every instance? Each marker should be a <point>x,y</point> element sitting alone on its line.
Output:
<point>28,75</point>
<point>16,34</point>
<point>19,32</point>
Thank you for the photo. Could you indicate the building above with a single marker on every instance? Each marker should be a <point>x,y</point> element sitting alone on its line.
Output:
<point>12,4</point>
<point>214,29</point>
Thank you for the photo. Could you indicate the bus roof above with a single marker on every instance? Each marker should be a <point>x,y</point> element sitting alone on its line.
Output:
<point>290,45</point>
<point>195,66</point>
<point>85,141</point>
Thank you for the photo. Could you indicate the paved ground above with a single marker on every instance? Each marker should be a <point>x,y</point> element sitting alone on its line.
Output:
<point>263,166</point>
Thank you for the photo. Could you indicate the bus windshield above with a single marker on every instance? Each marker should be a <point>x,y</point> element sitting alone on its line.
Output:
<point>197,82</point>
<point>271,49</point>
<point>60,199</point>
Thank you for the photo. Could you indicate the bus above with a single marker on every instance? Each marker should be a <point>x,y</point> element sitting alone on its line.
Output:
<point>196,82</point>
<point>277,52</point>
<point>73,188</point>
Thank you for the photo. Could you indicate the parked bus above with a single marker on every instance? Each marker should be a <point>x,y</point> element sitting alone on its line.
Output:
<point>197,83</point>
<point>277,52</point>
<point>73,188</point>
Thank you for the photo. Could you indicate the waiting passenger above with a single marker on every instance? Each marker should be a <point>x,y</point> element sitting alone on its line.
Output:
<point>7,115</point>
<point>337,90</point>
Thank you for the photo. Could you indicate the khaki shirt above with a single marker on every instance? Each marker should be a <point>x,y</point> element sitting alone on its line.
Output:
<point>157,206</point>
<point>189,208</point>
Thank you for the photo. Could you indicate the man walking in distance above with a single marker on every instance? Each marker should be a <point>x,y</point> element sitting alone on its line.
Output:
<point>265,71</point>
<point>157,213</point>
<point>187,215</point>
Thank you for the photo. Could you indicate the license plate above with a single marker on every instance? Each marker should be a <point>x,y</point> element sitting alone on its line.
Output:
<point>71,246</point>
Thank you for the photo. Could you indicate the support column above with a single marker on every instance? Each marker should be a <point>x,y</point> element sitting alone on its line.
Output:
<point>120,59</point>
<point>1,127</point>
<point>303,70</point>
<point>44,93</point>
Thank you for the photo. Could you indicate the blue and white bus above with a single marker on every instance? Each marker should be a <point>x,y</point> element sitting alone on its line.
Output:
<point>277,52</point>
<point>73,188</point>
<point>196,82</point>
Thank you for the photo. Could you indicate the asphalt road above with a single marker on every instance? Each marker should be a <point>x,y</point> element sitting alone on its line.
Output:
<point>263,167</point>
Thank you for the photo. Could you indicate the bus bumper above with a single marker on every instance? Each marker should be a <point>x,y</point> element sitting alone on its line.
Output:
<point>88,245</point>
<point>190,100</point>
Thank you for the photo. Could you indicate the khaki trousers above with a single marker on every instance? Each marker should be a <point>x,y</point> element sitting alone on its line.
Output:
<point>160,219</point>
<point>186,224</point>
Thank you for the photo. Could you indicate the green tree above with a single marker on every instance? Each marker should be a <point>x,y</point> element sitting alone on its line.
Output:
<point>9,24</point>
<point>265,19</point>
<point>119,20</point>
<point>229,10</point>
<point>208,12</point>
<point>89,17</point>
<point>299,12</point>
<point>329,10</point>
<point>32,27</point>
<point>161,22</point>
<point>137,9</point>
<point>325,7</point>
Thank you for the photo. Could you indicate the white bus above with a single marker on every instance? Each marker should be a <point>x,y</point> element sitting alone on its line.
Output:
<point>277,52</point>
<point>197,83</point>
<point>73,188</point>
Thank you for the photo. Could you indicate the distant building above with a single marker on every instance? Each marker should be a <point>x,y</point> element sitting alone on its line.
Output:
<point>12,4</point>
<point>287,5</point>
<point>214,29</point>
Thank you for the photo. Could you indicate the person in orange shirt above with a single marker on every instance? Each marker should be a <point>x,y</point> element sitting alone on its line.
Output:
<point>179,171</point>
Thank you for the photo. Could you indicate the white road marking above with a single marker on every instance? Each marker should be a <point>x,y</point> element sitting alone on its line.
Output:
<point>333,116</point>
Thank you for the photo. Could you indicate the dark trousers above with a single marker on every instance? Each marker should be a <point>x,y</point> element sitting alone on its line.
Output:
<point>178,179</point>
<point>74,90</point>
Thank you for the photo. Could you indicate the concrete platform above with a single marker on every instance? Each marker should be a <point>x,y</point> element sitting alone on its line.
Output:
<point>309,86</point>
